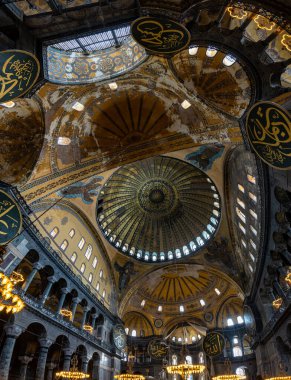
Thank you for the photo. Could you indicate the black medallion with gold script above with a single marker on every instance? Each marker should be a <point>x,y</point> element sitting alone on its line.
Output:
<point>213,344</point>
<point>119,337</point>
<point>10,218</point>
<point>19,71</point>
<point>157,349</point>
<point>160,35</point>
<point>269,132</point>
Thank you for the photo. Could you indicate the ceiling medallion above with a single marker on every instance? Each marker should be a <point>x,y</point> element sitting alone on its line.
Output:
<point>158,209</point>
<point>160,35</point>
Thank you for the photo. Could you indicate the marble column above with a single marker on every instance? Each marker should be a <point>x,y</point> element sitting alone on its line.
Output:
<point>50,367</point>
<point>94,317</point>
<point>24,360</point>
<point>67,359</point>
<point>84,366</point>
<point>42,356</point>
<point>95,370</point>
<point>12,332</point>
<point>47,290</point>
<point>85,312</point>
<point>74,306</point>
<point>62,300</point>
<point>31,275</point>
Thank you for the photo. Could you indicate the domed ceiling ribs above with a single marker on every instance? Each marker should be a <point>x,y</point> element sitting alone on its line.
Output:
<point>158,209</point>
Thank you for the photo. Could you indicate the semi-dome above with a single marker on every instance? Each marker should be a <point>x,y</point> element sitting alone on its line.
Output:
<point>158,209</point>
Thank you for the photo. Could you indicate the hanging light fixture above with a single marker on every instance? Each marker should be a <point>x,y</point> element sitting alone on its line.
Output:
<point>279,378</point>
<point>237,13</point>
<point>74,373</point>
<point>185,369</point>
<point>88,328</point>
<point>66,313</point>
<point>229,375</point>
<point>277,303</point>
<point>9,301</point>
<point>264,23</point>
<point>288,279</point>
<point>129,375</point>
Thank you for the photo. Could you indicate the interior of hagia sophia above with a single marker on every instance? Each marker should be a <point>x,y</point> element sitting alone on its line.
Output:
<point>148,220</point>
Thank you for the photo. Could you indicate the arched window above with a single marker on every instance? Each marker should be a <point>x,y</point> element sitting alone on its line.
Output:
<point>126,330</point>
<point>229,322</point>
<point>90,277</point>
<point>133,333</point>
<point>174,360</point>
<point>81,243</point>
<point>83,267</point>
<point>98,286</point>
<point>88,252</point>
<point>228,60</point>
<point>101,273</point>
<point>64,245</point>
<point>72,232</point>
<point>188,359</point>
<point>236,350</point>
<point>201,357</point>
<point>54,232</point>
<point>74,257</point>
<point>95,261</point>
<point>104,294</point>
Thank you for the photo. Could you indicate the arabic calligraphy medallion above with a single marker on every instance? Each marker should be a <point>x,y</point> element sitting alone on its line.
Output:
<point>160,35</point>
<point>213,344</point>
<point>19,71</point>
<point>10,218</point>
<point>269,132</point>
<point>157,349</point>
<point>119,337</point>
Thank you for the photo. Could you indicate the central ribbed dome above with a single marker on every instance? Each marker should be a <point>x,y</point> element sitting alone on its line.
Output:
<point>158,209</point>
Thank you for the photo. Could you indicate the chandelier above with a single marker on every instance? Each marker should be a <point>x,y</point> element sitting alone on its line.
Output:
<point>279,378</point>
<point>288,278</point>
<point>229,377</point>
<point>88,328</point>
<point>129,375</point>
<point>66,313</point>
<point>9,301</point>
<point>185,370</point>
<point>73,373</point>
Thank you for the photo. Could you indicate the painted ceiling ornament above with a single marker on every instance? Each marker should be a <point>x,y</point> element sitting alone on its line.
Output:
<point>125,272</point>
<point>264,23</point>
<point>237,13</point>
<point>268,127</point>
<point>19,71</point>
<point>10,218</point>
<point>213,344</point>
<point>158,209</point>
<point>160,36</point>
<point>286,41</point>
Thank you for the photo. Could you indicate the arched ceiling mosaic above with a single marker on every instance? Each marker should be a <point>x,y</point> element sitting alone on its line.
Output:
<point>138,322</point>
<point>216,77</point>
<point>160,293</point>
<point>158,209</point>
<point>22,135</point>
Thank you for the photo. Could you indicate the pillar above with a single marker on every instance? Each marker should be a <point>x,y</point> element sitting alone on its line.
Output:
<point>74,307</point>
<point>94,317</point>
<point>62,299</point>
<point>24,360</point>
<point>50,367</point>
<point>41,363</point>
<point>30,277</point>
<point>12,332</point>
<point>67,359</point>
<point>84,366</point>
<point>95,369</point>
<point>85,312</point>
<point>47,290</point>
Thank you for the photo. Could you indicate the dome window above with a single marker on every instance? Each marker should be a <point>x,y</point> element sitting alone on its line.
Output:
<point>193,50</point>
<point>211,52</point>
<point>229,60</point>
<point>229,322</point>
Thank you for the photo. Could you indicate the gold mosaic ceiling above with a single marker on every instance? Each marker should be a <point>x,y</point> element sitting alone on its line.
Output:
<point>158,209</point>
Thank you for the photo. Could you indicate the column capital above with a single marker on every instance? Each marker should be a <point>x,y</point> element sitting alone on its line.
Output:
<point>52,279</point>
<point>68,351</point>
<point>51,365</point>
<point>13,330</point>
<point>65,290</point>
<point>76,300</point>
<point>25,359</point>
<point>86,309</point>
<point>44,342</point>
<point>37,266</point>
<point>85,359</point>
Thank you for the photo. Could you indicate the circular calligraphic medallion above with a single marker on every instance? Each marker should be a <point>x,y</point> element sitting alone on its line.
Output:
<point>10,218</point>
<point>158,323</point>
<point>160,35</point>
<point>249,319</point>
<point>119,337</point>
<point>19,71</point>
<point>208,316</point>
<point>157,349</point>
<point>213,344</point>
<point>269,132</point>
